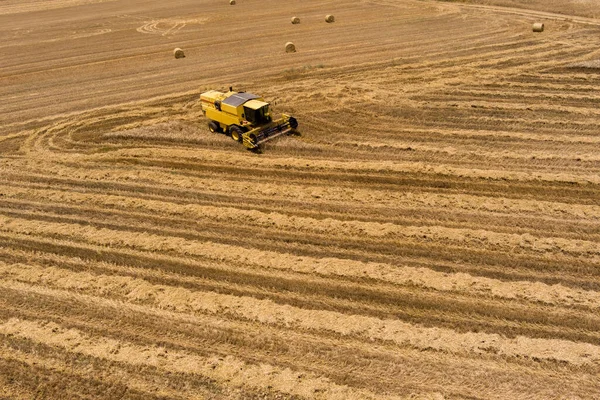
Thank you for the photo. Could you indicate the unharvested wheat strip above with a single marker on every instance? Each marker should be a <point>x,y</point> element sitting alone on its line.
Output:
<point>553,84</point>
<point>308,164</point>
<point>315,193</point>
<point>365,166</point>
<point>559,137</point>
<point>454,236</point>
<point>52,278</point>
<point>519,103</point>
<point>557,294</point>
<point>456,136</point>
<point>462,237</point>
<point>134,382</point>
<point>529,96</point>
<point>546,209</point>
<point>35,269</point>
<point>574,112</point>
<point>555,125</point>
<point>441,150</point>
<point>137,210</point>
<point>324,266</point>
<point>270,313</point>
<point>304,164</point>
<point>228,371</point>
<point>416,361</point>
<point>97,299</point>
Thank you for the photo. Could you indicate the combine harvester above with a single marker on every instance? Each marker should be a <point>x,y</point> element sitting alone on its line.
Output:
<point>245,117</point>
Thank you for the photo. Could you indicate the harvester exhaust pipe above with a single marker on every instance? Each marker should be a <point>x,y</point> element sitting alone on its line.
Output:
<point>231,88</point>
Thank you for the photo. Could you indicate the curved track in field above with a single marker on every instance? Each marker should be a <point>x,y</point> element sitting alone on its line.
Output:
<point>432,233</point>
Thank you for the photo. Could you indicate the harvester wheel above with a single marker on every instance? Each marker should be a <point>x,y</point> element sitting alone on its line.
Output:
<point>213,127</point>
<point>236,133</point>
<point>293,123</point>
<point>253,138</point>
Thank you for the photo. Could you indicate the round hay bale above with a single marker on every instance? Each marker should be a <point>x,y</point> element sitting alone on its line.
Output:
<point>290,47</point>
<point>329,19</point>
<point>232,2</point>
<point>178,53</point>
<point>295,20</point>
<point>538,27</point>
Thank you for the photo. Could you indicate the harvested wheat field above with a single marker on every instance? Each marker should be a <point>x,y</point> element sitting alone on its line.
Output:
<point>432,233</point>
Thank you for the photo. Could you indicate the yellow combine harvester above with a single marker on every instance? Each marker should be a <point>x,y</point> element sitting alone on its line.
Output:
<point>244,116</point>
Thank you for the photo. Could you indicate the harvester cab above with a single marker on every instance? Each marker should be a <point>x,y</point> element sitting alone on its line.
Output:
<point>245,117</point>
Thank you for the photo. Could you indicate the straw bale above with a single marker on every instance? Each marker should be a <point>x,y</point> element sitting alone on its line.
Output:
<point>178,53</point>
<point>290,47</point>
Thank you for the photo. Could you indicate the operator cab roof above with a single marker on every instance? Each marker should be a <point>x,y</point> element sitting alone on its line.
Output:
<point>255,104</point>
<point>238,99</point>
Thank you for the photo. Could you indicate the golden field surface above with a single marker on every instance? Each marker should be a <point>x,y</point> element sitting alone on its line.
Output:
<point>433,232</point>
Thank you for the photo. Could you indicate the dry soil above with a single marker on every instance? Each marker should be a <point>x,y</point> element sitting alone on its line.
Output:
<point>433,232</point>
